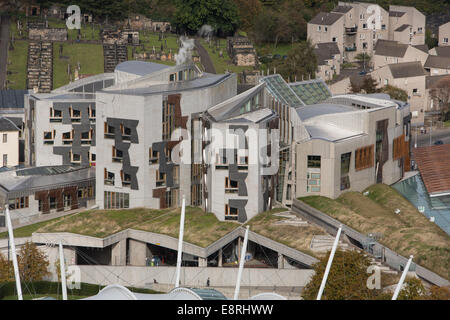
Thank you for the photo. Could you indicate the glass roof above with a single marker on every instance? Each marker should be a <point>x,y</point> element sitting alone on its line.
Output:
<point>281,90</point>
<point>311,92</point>
<point>209,294</point>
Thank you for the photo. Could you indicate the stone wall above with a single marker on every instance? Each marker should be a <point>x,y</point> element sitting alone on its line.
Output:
<point>49,34</point>
<point>40,66</point>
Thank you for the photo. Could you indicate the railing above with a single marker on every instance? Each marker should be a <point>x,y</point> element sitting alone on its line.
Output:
<point>350,48</point>
<point>351,29</point>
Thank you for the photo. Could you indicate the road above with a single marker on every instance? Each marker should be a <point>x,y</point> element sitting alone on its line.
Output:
<point>205,58</point>
<point>4,39</point>
<point>423,139</point>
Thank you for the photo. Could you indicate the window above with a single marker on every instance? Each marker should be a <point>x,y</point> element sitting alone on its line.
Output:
<point>109,177</point>
<point>116,200</point>
<point>160,179</point>
<point>386,82</point>
<point>364,25</point>
<point>326,29</point>
<point>383,27</point>
<point>415,92</point>
<point>419,29</point>
<point>108,130</point>
<point>231,186</point>
<point>49,136</point>
<point>345,163</point>
<point>334,39</point>
<point>126,178</point>
<point>168,120</point>
<point>18,203</point>
<point>75,157</point>
<point>313,161</point>
<point>173,77</point>
<point>117,155</point>
<point>231,213</point>
<point>5,160</point>
<point>153,156</point>
<point>5,138</point>
<point>445,40</point>
<point>52,202</point>
<point>55,115</point>
<point>319,28</point>
<point>364,45</point>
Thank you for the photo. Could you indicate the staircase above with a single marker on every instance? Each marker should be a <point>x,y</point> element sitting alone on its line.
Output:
<point>40,66</point>
<point>113,54</point>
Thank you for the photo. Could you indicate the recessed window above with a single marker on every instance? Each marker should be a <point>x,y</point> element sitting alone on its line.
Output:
<point>313,161</point>
<point>5,138</point>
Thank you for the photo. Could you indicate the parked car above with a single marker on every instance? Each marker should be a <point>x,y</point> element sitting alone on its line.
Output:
<point>438,142</point>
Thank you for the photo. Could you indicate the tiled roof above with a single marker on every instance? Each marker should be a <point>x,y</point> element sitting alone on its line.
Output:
<point>7,125</point>
<point>434,167</point>
<point>12,99</point>
<point>325,51</point>
<point>443,51</point>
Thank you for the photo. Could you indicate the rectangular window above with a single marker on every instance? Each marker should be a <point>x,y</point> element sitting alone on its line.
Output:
<point>345,163</point>
<point>168,120</point>
<point>313,161</point>
<point>231,213</point>
<point>5,138</point>
<point>116,200</point>
<point>5,160</point>
<point>18,203</point>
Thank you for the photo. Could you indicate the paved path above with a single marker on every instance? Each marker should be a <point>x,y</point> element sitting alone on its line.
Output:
<point>4,39</point>
<point>205,58</point>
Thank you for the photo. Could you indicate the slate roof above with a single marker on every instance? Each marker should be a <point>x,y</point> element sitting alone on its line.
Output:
<point>7,125</point>
<point>12,99</point>
<point>396,13</point>
<point>438,62</point>
<point>342,9</point>
<point>431,81</point>
<point>390,48</point>
<point>443,51</point>
<point>326,18</point>
<point>407,69</point>
<point>325,51</point>
<point>422,47</point>
<point>403,27</point>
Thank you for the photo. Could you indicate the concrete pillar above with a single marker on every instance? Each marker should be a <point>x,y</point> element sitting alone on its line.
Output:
<point>280,261</point>
<point>219,259</point>
<point>119,253</point>
<point>239,248</point>
<point>202,262</point>
<point>137,251</point>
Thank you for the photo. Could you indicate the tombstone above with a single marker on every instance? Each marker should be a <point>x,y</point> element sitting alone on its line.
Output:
<point>221,53</point>
<point>78,65</point>
<point>165,44</point>
<point>60,49</point>
<point>68,69</point>
<point>153,51</point>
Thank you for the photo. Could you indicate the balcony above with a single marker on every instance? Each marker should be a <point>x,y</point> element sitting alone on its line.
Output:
<point>109,182</point>
<point>117,159</point>
<point>351,30</point>
<point>348,49</point>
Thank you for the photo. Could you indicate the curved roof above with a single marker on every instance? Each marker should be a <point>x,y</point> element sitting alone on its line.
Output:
<point>119,292</point>
<point>140,68</point>
<point>315,110</point>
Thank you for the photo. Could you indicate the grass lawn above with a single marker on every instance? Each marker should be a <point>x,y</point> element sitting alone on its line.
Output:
<point>90,57</point>
<point>282,48</point>
<point>222,64</point>
<point>17,65</point>
<point>150,39</point>
<point>297,237</point>
<point>447,124</point>
<point>200,228</point>
<point>407,233</point>
<point>27,231</point>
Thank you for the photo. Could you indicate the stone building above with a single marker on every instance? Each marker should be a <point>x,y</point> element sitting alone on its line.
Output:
<point>47,34</point>
<point>241,51</point>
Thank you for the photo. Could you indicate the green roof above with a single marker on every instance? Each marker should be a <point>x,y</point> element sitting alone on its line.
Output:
<point>311,92</point>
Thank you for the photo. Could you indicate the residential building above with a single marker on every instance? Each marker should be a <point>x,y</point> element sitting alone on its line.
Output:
<point>32,193</point>
<point>329,60</point>
<point>444,35</point>
<point>390,52</point>
<point>357,26</point>
<point>409,76</point>
<point>437,65</point>
<point>9,143</point>
<point>440,51</point>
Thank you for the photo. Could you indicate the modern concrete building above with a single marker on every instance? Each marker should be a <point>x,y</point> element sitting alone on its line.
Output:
<point>9,143</point>
<point>136,145</point>
<point>34,193</point>
<point>357,26</point>
<point>240,179</point>
<point>336,138</point>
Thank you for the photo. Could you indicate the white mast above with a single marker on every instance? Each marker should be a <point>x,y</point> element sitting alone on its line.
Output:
<point>13,252</point>
<point>63,271</point>
<point>400,283</point>
<point>330,261</point>
<point>241,265</point>
<point>180,243</point>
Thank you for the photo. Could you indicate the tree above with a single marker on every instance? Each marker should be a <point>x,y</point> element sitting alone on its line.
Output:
<point>369,85</point>
<point>395,93</point>
<point>347,279</point>
<point>191,15</point>
<point>429,40</point>
<point>248,10</point>
<point>301,62</point>
<point>33,263</point>
<point>6,269</point>
<point>440,94</point>
<point>439,293</point>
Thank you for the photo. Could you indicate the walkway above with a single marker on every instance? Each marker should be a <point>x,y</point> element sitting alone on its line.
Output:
<point>204,58</point>
<point>4,39</point>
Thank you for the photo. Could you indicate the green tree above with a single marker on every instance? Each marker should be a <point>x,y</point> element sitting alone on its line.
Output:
<point>301,62</point>
<point>248,10</point>
<point>33,263</point>
<point>394,92</point>
<point>6,269</point>
<point>191,15</point>
<point>347,279</point>
<point>369,85</point>
<point>430,41</point>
